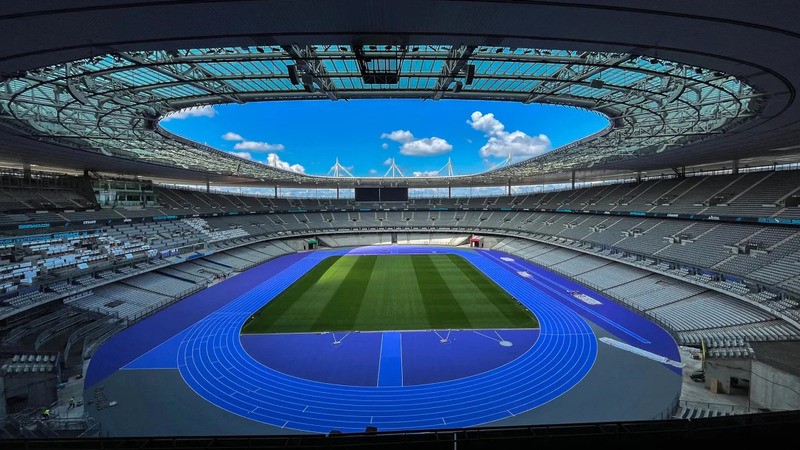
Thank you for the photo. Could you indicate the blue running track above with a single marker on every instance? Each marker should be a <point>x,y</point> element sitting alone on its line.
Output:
<point>210,356</point>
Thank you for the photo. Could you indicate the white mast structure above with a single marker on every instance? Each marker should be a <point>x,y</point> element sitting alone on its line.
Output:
<point>502,163</point>
<point>394,171</point>
<point>339,171</point>
<point>448,169</point>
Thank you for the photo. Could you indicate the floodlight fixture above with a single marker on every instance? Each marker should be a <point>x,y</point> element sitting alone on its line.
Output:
<point>292,70</point>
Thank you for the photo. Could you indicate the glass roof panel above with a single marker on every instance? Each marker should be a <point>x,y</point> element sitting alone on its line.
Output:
<point>124,87</point>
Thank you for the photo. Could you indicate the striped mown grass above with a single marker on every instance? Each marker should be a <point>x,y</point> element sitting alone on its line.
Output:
<point>391,292</point>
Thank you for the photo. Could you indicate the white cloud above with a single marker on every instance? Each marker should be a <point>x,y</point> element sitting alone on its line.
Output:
<point>245,155</point>
<point>201,111</point>
<point>401,136</point>
<point>231,136</point>
<point>275,161</point>
<point>384,146</point>
<point>480,191</point>
<point>373,172</point>
<point>243,190</point>
<point>485,123</point>
<point>253,146</point>
<point>501,143</point>
<point>258,146</point>
<point>518,144</point>
<point>388,162</point>
<point>426,147</point>
<point>417,147</point>
<point>425,173</point>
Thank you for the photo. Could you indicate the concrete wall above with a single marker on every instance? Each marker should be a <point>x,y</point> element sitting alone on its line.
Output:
<point>297,244</point>
<point>30,391</point>
<point>385,238</point>
<point>723,369</point>
<point>774,389</point>
<point>490,241</point>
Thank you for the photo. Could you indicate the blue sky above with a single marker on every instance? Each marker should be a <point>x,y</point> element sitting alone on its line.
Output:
<point>307,136</point>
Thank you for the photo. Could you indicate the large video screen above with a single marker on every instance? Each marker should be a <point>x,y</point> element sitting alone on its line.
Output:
<point>368,194</point>
<point>374,194</point>
<point>394,194</point>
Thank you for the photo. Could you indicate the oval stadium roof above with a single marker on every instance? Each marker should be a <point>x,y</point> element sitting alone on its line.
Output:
<point>680,86</point>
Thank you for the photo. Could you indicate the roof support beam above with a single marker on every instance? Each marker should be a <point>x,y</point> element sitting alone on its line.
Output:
<point>457,58</point>
<point>109,104</point>
<point>537,97</point>
<point>307,60</point>
<point>179,76</point>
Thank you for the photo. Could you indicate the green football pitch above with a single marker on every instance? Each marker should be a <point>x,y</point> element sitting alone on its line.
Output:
<point>391,292</point>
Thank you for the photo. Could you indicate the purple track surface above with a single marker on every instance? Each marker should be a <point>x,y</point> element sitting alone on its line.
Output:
<point>355,361</point>
<point>624,323</point>
<point>335,383</point>
<point>314,356</point>
<point>466,353</point>
<point>144,336</point>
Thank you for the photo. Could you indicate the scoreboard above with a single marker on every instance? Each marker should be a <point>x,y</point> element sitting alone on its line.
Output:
<point>381,194</point>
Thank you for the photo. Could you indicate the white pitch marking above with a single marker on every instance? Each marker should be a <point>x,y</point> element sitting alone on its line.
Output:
<point>340,340</point>
<point>487,337</point>
<point>444,339</point>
